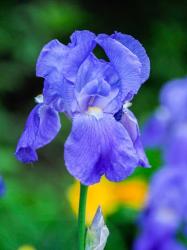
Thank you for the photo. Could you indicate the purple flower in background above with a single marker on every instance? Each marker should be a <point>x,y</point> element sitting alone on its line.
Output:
<point>165,211</point>
<point>156,127</point>
<point>2,186</point>
<point>167,127</point>
<point>166,207</point>
<point>174,97</point>
<point>92,92</point>
<point>149,241</point>
<point>172,244</point>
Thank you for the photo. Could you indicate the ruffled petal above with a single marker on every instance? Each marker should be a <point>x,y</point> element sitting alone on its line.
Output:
<point>97,147</point>
<point>93,68</point>
<point>126,64</point>
<point>97,82</point>
<point>155,129</point>
<point>57,60</point>
<point>136,48</point>
<point>50,60</point>
<point>60,95</point>
<point>109,104</point>
<point>91,92</point>
<point>42,126</point>
<point>130,123</point>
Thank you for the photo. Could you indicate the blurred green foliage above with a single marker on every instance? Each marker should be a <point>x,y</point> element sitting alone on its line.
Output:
<point>35,209</point>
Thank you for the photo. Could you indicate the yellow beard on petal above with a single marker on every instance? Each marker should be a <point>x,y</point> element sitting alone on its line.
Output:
<point>95,111</point>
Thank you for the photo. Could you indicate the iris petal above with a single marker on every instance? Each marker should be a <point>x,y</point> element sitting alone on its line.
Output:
<point>97,87</point>
<point>135,46</point>
<point>126,64</point>
<point>57,60</point>
<point>93,68</point>
<point>91,92</point>
<point>99,79</point>
<point>130,123</point>
<point>42,126</point>
<point>97,147</point>
<point>60,95</point>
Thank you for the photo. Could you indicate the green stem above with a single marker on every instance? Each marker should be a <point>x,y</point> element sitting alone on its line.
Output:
<point>81,218</point>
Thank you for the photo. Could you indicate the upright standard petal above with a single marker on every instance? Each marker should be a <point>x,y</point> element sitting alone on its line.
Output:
<point>91,93</point>
<point>98,82</point>
<point>135,46</point>
<point>93,68</point>
<point>49,63</point>
<point>126,64</point>
<point>42,126</point>
<point>130,123</point>
<point>57,60</point>
<point>99,145</point>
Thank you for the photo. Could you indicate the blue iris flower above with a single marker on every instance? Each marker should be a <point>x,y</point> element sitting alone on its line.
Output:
<point>167,128</point>
<point>165,212</point>
<point>90,91</point>
<point>150,241</point>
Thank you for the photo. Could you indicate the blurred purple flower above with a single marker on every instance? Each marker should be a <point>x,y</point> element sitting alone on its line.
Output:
<point>174,97</point>
<point>156,128</point>
<point>172,244</point>
<point>165,211</point>
<point>2,186</point>
<point>166,205</point>
<point>148,240</point>
<point>90,91</point>
<point>166,128</point>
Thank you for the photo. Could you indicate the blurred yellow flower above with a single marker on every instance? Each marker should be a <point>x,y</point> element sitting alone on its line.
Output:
<point>26,247</point>
<point>110,195</point>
